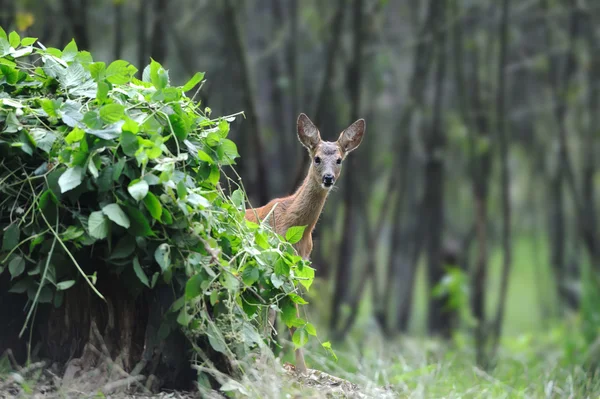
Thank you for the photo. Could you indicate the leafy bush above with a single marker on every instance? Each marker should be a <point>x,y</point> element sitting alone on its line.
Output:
<point>97,164</point>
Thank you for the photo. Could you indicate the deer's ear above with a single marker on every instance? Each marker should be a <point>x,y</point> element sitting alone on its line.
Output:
<point>351,138</point>
<point>308,134</point>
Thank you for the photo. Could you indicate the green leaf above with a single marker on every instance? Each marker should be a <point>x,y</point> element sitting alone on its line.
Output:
<point>205,157</point>
<point>21,286</point>
<point>71,233</point>
<point>294,234</point>
<point>184,318</point>
<point>28,41</point>
<point>300,337</point>
<point>250,275</point>
<point>10,240</point>
<point>282,268</point>
<point>92,120</point>
<point>70,179</point>
<point>3,34</point>
<point>327,347</point>
<point>129,143</point>
<point>116,214</point>
<point>138,189</point>
<point>139,272</point>
<point>311,329</point>
<point>181,190</point>
<point>223,128</point>
<point>193,287</point>
<point>112,113</point>
<point>297,299</point>
<point>98,225</point>
<point>45,295</point>
<point>215,340</point>
<point>305,276</point>
<point>124,248</point>
<point>277,281</point>
<point>213,139</point>
<point>162,255</point>
<point>16,266</point>
<point>102,92</point>
<point>288,313</point>
<point>237,197</point>
<point>153,206</point>
<point>158,75</point>
<point>14,39</point>
<point>97,70</point>
<point>261,240</point>
<point>92,167</point>
<point>120,72</point>
<point>139,222</point>
<point>70,51</point>
<point>65,285</point>
<point>227,152</point>
<point>75,136</point>
<point>197,78</point>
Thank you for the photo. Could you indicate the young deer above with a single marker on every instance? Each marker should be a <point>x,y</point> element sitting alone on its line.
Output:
<point>304,207</point>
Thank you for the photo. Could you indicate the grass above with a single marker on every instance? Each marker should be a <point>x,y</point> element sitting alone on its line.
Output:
<point>539,356</point>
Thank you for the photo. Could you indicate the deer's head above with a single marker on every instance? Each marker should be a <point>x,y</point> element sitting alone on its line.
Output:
<point>327,156</point>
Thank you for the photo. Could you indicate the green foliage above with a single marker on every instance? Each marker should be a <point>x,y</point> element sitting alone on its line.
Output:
<point>97,164</point>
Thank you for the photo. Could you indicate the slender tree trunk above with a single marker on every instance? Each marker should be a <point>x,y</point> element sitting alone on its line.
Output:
<point>344,268</point>
<point>481,169</point>
<point>279,119</point>
<point>77,12</point>
<point>292,59</point>
<point>439,319</point>
<point>118,45</point>
<point>504,142</point>
<point>402,267</point>
<point>159,49</point>
<point>142,39</point>
<point>236,39</point>
<point>591,144</point>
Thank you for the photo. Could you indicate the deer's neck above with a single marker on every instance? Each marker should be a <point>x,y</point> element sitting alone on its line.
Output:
<point>307,203</point>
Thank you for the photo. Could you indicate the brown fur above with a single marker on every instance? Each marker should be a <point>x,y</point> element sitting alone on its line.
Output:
<point>304,207</point>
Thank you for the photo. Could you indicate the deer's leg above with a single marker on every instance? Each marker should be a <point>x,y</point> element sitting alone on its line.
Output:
<point>300,363</point>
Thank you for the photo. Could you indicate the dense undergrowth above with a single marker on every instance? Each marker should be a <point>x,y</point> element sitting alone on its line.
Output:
<point>97,164</point>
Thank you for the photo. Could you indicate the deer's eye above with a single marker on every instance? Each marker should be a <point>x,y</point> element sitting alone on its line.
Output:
<point>317,160</point>
<point>339,161</point>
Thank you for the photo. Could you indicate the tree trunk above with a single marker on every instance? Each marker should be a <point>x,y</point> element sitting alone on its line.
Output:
<point>343,277</point>
<point>159,49</point>
<point>236,39</point>
<point>504,142</point>
<point>118,45</point>
<point>142,39</point>
<point>78,16</point>
<point>439,319</point>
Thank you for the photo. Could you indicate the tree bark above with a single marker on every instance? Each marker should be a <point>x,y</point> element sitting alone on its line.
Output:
<point>504,142</point>
<point>142,45</point>
<point>344,268</point>
<point>118,44</point>
<point>439,319</point>
<point>159,49</point>
<point>236,40</point>
<point>481,169</point>
<point>78,18</point>
<point>396,278</point>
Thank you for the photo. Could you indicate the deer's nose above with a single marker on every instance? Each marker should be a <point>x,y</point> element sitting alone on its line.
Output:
<point>328,179</point>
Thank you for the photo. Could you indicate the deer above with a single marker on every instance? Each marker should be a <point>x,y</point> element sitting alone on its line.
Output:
<point>304,207</point>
